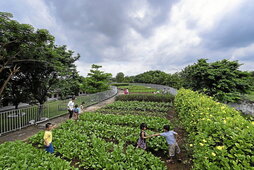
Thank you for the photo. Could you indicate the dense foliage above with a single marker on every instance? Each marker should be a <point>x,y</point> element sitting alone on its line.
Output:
<point>20,155</point>
<point>96,81</point>
<point>120,77</point>
<point>120,84</point>
<point>221,79</point>
<point>146,97</point>
<point>140,106</point>
<point>156,77</point>
<point>153,77</point>
<point>132,112</point>
<point>31,62</point>
<point>220,137</point>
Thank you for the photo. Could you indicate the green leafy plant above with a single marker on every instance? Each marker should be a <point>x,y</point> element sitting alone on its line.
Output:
<point>222,138</point>
<point>20,155</point>
<point>146,97</point>
<point>140,106</point>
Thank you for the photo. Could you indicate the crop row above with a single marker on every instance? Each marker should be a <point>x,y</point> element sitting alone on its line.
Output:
<point>109,132</point>
<point>100,145</point>
<point>146,97</point>
<point>154,123</point>
<point>221,137</point>
<point>20,155</point>
<point>132,112</point>
<point>137,87</point>
<point>140,106</point>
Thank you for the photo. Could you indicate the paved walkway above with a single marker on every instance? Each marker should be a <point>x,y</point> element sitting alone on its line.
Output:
<point>25,133</point>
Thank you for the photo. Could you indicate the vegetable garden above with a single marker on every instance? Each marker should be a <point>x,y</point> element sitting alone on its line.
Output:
<point>138,89</point>
<point>218,137</point>
<point>104,140</point>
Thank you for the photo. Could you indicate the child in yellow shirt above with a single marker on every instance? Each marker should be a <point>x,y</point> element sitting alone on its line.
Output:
<point>48,138</point>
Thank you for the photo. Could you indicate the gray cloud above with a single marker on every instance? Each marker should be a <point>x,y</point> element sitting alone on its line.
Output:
<point>94,26</point>
<point>141,35</point>
<point>234,30</point>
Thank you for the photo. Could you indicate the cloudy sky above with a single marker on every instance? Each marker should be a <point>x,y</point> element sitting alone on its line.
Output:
<point>134,36</point>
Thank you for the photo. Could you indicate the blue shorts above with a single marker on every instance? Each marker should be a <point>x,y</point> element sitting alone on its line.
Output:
<point>49,148</point>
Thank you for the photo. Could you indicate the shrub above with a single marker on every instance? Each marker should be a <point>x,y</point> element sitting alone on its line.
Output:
<point>120,84</point>
<point>222,138</point>
<point>146,97</point>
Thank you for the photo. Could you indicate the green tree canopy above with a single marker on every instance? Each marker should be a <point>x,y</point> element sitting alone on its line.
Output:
<point>119,77</point>
<point>154,77</point>
<point>221,79</point>
<point>97,80</point>
<point>41,64</point>
<point>174,80</point>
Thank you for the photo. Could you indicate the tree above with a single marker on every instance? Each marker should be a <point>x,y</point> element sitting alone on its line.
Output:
<point>68,77</point>
<point>154,77</point>
<point>120,77</point>
<point>251,80</point>
<point>55,64</point>
<point>97,80</point>
<point>222,79</point>
<point>174,80</point>
<point>16,91</point>
<point>13,37</point>
<point>129,79</point>
<point>41,64</point>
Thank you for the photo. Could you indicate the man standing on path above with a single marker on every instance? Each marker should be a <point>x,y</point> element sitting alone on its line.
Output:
<point>71,107</point>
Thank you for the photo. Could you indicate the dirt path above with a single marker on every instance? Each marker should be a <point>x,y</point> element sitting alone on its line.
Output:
<point>186,163</point>
<point>27,132</point>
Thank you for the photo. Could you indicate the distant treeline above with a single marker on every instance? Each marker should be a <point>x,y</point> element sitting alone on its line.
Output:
<point>221,79</point>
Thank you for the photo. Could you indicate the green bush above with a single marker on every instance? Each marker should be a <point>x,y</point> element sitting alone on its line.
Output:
<point>146,97</point>
<point>120,84</point>
<point>20,155</point>
<point>140,106</point>
<point>222,138</point>
<point>133,112</point>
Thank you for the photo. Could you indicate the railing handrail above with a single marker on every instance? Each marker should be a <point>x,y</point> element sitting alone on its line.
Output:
<point>15,119</point>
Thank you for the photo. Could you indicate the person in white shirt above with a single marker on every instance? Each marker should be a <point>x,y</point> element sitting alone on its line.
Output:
<point>127,91</point>
<point>71,107</point>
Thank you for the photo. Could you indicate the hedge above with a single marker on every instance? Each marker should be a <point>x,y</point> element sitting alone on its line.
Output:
<point>146,97</point>
<point>120,84</point>
<point>220,137</point>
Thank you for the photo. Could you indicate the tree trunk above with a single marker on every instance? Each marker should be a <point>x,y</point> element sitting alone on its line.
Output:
<point>16,105</point>
<point>40,112</point>
<point>12,72</point>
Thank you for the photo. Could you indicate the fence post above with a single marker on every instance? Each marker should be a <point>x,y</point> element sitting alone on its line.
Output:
<point>48,110</point>
<point>19,116</point>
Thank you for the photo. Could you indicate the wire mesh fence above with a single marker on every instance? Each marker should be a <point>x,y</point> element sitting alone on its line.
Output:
<point>19,118</point>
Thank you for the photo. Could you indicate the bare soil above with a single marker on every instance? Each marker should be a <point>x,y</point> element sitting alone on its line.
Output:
<point>186,162</point>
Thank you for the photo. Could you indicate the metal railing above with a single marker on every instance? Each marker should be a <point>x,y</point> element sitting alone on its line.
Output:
<point>19,118</point>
